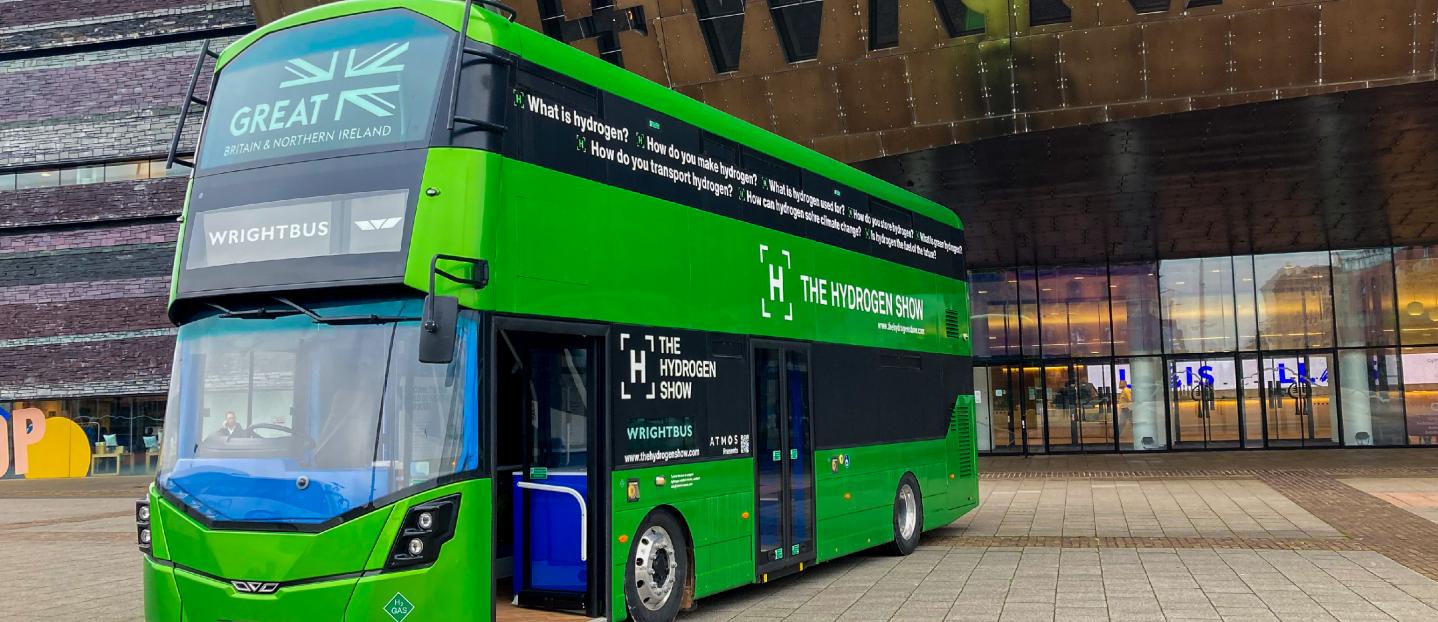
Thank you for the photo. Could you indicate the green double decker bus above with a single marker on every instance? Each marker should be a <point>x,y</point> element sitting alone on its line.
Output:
<point>474,325</point>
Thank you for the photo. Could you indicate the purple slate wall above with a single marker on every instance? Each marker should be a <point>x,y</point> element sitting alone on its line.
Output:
<point>84,270</point>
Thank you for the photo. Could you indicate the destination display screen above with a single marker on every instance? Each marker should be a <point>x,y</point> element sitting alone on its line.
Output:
<point>571,127</point>
<point>327,220</point>
<point>316,227</point>
<point>364,82</point>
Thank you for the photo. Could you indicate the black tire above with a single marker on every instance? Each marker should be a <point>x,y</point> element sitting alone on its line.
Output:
<point>908,516</point>
<point>656,574</point>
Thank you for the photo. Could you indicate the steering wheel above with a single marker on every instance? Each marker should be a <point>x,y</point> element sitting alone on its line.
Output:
<point>250,431</point>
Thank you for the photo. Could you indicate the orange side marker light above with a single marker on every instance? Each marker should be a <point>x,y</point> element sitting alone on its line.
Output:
<point>623,538</point>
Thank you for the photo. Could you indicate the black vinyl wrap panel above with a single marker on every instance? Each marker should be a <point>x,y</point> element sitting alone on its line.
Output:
<point>684,396</point>
<point>866,396</point>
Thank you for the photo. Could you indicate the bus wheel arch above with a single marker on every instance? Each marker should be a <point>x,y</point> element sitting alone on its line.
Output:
<point>908,515</point>
<point>663,535</point>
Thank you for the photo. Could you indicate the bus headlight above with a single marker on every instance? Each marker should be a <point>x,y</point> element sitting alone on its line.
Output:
<point>423,533</point>
<point>142,525</point>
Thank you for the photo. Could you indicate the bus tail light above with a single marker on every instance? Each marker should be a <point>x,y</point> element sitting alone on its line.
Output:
<point>426,528</point>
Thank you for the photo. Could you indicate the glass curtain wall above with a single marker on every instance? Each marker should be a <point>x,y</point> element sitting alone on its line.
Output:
<point>124,432</point>
<point>1311,349</point>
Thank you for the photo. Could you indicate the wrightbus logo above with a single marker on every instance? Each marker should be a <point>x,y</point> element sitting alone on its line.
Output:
<point>255,587</point>
<point>305,110</point>
<point>377,225</point>
<point>775,303</point>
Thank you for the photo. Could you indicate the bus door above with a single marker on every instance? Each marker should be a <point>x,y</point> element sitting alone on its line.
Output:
<point>549,385</point>
<point>784,458</point>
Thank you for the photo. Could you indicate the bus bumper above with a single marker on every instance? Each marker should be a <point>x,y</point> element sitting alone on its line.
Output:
<point>177,595</point>
<point>455,587</point>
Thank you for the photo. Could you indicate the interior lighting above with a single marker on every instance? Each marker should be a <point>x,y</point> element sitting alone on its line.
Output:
<point>1415,308</point>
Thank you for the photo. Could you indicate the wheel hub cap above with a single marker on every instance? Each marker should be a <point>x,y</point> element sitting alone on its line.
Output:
<point>655,562</point>
<point>908,512</point>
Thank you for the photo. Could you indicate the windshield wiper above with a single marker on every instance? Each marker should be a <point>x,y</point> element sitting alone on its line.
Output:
<point>341,320</point>
<point>254,314</point>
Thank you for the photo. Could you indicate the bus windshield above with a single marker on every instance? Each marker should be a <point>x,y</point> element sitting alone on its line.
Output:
<point>289,420</point>
<point>365,82</point>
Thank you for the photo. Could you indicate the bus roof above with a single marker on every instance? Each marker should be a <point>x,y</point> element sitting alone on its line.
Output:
<point>489,27</point>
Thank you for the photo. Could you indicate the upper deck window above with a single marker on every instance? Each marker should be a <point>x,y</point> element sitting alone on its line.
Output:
<point>355,84</point>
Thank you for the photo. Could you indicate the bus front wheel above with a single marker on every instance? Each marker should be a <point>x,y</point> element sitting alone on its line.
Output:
<point>908,516</point>
<point>658,570</point>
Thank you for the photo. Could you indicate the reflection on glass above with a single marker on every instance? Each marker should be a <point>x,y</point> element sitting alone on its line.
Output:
<point>256,403</point>
<point>994,304</point>
<point>1027,283</point>
<point>1203,396</point>
<point>1298,400</point>
<point>1251,382</point>
<point>769,397</point>
<point>1245,300</point>
<point>1073,312</point>
<point>1296,331</point>
<point>82,175</point>
<point>127,171</point>
<point>1197,302</point>
<point>1134,292</point>
<point>1063,398</point>
<point>1031,404</point>
<point>1363,297</point>
<point>1295,305</point>
<point>996,390</point>
<point>1417,269</point>
<point>1140,404</point>
<point>800,479</point>
<point>984,423</point>
<point>1372,397</point>
<point>1081,404</point>
<point>37,179</point>
<point>558,379</point>
<point>1420,393</point>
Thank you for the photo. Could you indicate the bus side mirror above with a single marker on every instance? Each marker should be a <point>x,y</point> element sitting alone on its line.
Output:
<point>438,329</point>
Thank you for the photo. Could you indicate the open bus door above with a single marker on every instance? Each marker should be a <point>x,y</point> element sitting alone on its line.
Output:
<point>549,484</point>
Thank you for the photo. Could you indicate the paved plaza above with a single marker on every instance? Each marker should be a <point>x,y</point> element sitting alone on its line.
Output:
<point>1310,536</point>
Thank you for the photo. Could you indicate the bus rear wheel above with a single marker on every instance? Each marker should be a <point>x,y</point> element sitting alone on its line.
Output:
<point>908,516</point>
<point>658,570</point>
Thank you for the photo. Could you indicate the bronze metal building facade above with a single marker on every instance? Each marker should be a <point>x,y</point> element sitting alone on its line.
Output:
<point>1191,223</point>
